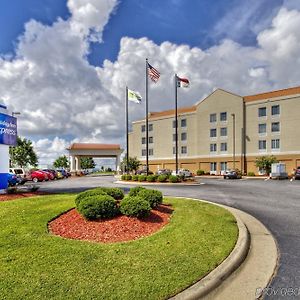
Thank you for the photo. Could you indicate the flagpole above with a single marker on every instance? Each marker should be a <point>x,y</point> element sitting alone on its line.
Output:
<point>127,143</point>
<point>147,122</point>
<point>176,126</point>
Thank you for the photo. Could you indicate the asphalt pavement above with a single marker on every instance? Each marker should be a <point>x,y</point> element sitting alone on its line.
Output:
<point>276,203</point>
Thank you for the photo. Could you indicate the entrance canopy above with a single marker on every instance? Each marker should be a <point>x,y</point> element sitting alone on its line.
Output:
<point>78,150</point>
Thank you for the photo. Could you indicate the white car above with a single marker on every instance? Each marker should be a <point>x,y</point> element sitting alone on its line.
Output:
<point>184,172</point>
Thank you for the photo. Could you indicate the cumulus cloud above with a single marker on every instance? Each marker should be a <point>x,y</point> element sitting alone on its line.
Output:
<point>60,94</point>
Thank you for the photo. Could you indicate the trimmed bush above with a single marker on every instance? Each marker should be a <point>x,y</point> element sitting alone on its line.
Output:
<point>173,178</point>
<point>200,172</point>
<point>98,207</point>
<point>128,177</point>
<point>116,193</point>
<point>135,177</point>
<point>88,194</point>
<point>135,207</point>
<point>251,174</point>
<point>135,190</point>
<point>151,178</point>
<point>153,197</point>
<point>142,178</point>
<point>162,178</point>
<point>123,177</point>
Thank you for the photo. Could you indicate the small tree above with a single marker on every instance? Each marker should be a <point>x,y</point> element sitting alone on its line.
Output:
<point>61,162</point>
<point>132,165</point>
<point>265,163</point>
<point>23,154</point>
<point>87,163</point>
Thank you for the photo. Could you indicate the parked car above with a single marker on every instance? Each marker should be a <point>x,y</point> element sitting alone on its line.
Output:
<point>59,175</point>
<point>143,172</point>
<point>63,172</point>
<point>49,174</point>
<point>232,174</point>
<point>53,172</point>
<point>36,176</point>
<point>183,172</point>
<point>18,171</point>
<point>297,173</point>
<point>12,179</point>
<point>164,172</point>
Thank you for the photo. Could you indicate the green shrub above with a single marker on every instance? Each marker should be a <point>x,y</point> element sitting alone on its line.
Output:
<point>151,178</point>
<point>142,178</point>
<point>135,177</point>
<point>98,207</point>
<point>152,196</point>
<point>128,177</point>
<point>116,193</point>
<point>200,172</point>
<point>135,207</point>
<point>135,190</point>
<point>173,178</point>
<point>251,174</point>
<point>162,178</point>
<point>88,194</point>
<point>123,177</point>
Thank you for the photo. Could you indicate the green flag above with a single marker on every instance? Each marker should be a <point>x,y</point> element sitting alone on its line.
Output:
<point>134,96</point>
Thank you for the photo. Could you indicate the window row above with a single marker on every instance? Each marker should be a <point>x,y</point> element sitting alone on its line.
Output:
<point>182,123</point>
<point>275,127</point>
<point>213,132</point>
<point>275,110</point>
<point>183,150</point>
<point>183,136</point>
<point>150,140</point>
<point>223,166</point>
<point>150,152</point>
<point>150,127</point>
<point>213,117</point>
<point>213,147</point>
<point>275,144</point>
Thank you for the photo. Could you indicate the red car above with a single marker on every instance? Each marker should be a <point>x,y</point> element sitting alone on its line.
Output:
<point>49,174</point>
<point>36,176</point>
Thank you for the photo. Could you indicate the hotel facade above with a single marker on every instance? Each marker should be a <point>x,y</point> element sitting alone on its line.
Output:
<point>223,131</point>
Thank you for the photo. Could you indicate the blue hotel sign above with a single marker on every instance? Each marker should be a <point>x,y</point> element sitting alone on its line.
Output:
<point>8,130</point>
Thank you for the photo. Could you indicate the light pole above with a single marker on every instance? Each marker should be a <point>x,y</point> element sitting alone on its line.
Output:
<point>233,139</point>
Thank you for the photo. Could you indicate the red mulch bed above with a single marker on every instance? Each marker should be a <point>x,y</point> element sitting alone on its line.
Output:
<point>8,197</point>
<point>72,225</point>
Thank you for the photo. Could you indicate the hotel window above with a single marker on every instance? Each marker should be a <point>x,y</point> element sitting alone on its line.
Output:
<point>144,152</point>
<point>143,128</point>
<point>223,131</point>
<point>174,150</point>
<point>174,137</point>
<point>143,140</point>
<point>150,139</point>
<point>213,166</point>
<point>184,150</point>
<point>150,126</point>
<point>262,128</point>
<point>262,112</point>
<point>223,165</point>
<point>275,144</point>
<point>213,147</point>
<point>262,145</point>
<point>174,124</point>
<point>213,118</point>
<point>183,123</point>
<point>223,116</point>
<point>275,127</point>
<point>275,110</point>
<point>183,136</point>
<point>150,152</point>
<point>213,132</point>
<point>223,147</point>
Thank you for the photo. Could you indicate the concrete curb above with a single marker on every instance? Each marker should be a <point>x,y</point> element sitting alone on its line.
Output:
<point>223,271</point>
<point>155,183</point>
<point>247,271</point>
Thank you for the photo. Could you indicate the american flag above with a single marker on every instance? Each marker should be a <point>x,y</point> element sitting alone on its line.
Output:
<point>153,73</point>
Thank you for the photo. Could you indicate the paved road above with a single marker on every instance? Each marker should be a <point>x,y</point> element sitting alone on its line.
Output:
<point>275,203</point>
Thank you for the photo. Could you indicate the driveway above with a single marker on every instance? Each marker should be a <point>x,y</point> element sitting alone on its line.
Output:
<point>275,203</point>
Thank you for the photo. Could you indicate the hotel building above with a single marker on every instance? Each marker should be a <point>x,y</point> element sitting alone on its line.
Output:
<point>223,131</point>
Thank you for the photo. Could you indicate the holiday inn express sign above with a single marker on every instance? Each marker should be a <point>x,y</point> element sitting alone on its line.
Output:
<point>8,130</point>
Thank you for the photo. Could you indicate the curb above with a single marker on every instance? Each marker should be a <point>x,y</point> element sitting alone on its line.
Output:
<point>155,183</point>
<point>224,270</point>
<point>244,274</point>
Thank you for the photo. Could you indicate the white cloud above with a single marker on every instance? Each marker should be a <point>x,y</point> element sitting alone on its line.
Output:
<point>60,94</point>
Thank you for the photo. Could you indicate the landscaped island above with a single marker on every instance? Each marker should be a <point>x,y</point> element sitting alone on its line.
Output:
<point>36,264</point>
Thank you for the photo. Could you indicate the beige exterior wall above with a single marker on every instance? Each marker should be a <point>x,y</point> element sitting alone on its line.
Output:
<point>198,128</point>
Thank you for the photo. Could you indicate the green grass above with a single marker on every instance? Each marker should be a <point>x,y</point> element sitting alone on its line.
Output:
<point>37,265</point>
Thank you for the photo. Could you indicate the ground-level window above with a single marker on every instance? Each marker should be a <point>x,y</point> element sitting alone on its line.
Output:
<point>213,166</point>
<point>223,165</point>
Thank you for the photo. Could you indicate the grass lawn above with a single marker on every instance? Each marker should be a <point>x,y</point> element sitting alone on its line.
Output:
<point>36,265</point>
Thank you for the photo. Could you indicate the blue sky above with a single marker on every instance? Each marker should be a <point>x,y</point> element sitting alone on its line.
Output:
<point>65,64</point>
<point>195,23</point>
